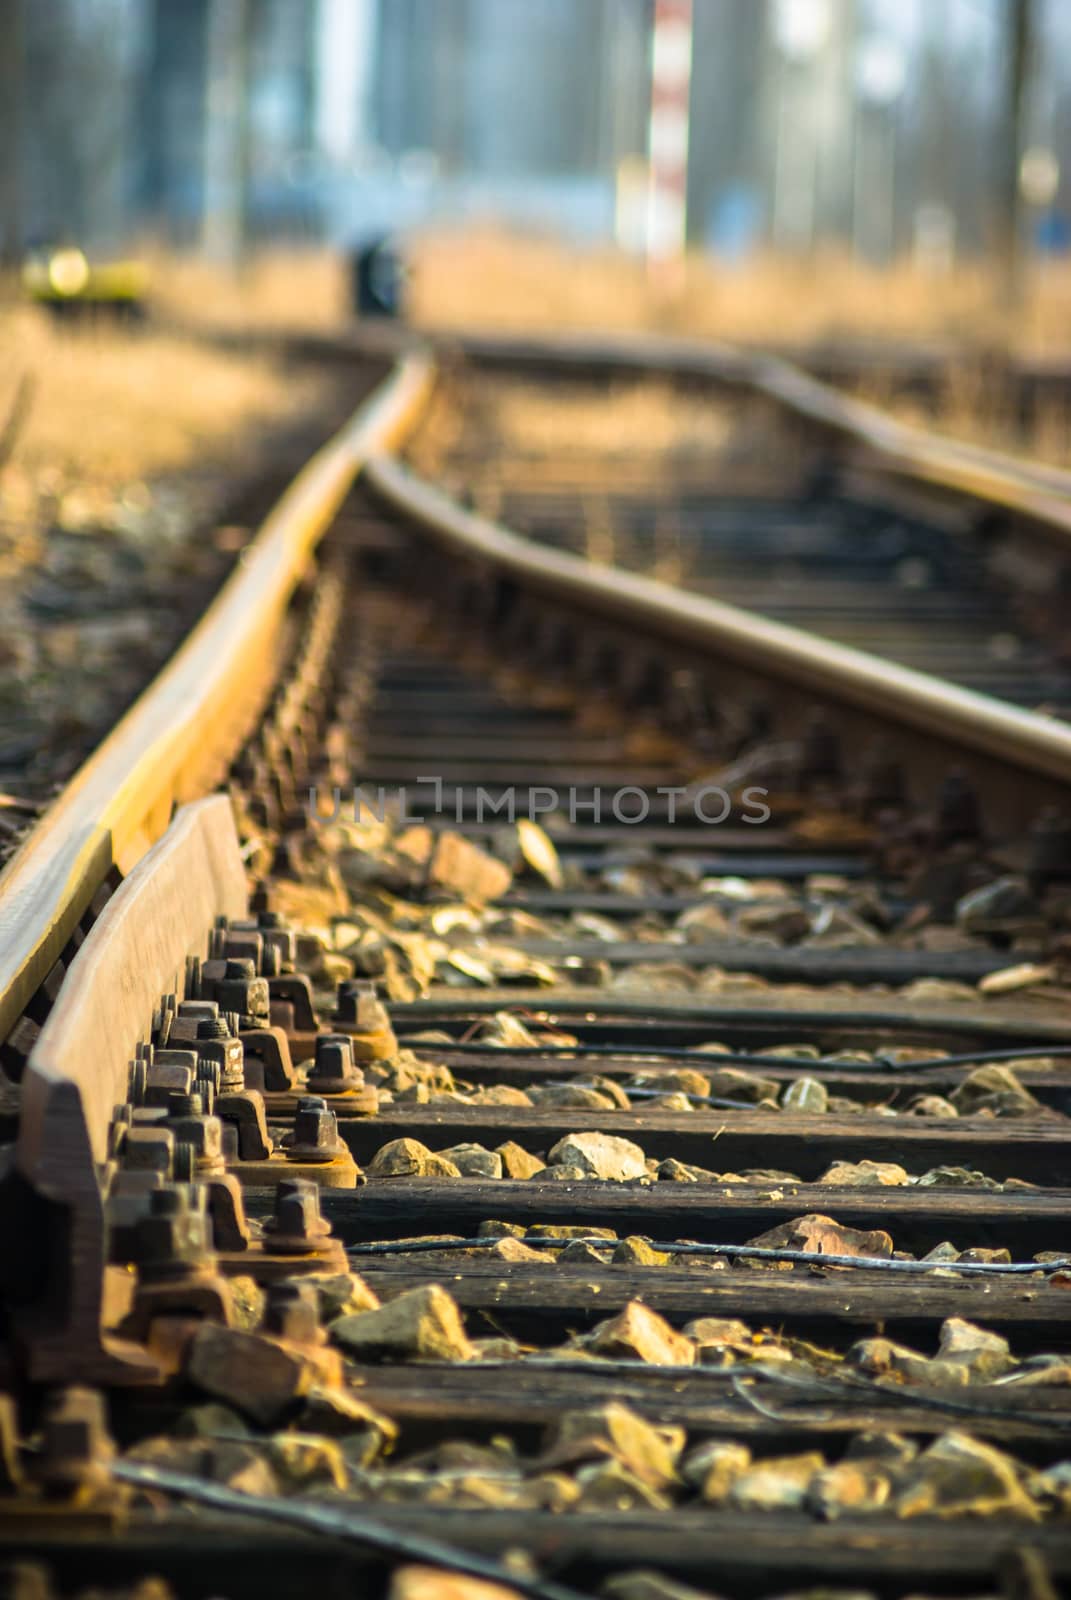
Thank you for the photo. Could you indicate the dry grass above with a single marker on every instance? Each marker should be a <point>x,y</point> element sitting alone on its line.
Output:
<point>506,437</point>
<point>109,407</point>
<point>973,403</point>
<point>484,277</point>
<point>504,281</point>
<point>639,417</point>
<point>131,445</point>
<point>487,277</point>
<point>633,426</point>
<point>507,282</point>
<point>274,289</point>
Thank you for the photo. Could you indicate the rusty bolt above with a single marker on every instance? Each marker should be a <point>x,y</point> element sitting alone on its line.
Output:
<point>173,1056</point>
<point>245,942</point>
<point>161,1017</point>
<point>184,1103</point>
<point>884,787</point>
<point>136,1081</point>
<point>271,962</point>
<point>315,1136</point>
<point>366,1021</point>
<point>1050,848</point>
<point>957,817</point>
<point>207,1083</point>
<point>149,1150</point>
<point>196,1009</point>
<point>230,1053</point>
<point>358,1007</point>
<point>175,1237</point>
<point>296,1228</point>
<point>184,1163</point>
<point>75,1444</point>
<point>209,1028</point>
<point>819,751</point>
<point>212,1038</point>
<point>185,1031</point>
<point>235,986</point>
<point>122,1121</point>
<point>333,1071</point>
<point>147,1116</point>
<point>190,1125</point>
<point>293,1312</point>
<point>168,1077</point>
<point>210,1071</point>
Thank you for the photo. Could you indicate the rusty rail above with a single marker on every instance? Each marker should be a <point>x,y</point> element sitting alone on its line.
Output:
<point>175,742</point>
<point>78,1070</point>
<point>957,718</point>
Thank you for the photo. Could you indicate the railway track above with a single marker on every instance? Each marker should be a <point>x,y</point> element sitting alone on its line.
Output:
<point>586,1106</point>
<point>749,514</point>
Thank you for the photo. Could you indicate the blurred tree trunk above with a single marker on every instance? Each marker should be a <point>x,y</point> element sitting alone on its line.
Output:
<point>449,109</point>
<point>226,135</point>
<point>1010,217</point>
<point>12,62</point>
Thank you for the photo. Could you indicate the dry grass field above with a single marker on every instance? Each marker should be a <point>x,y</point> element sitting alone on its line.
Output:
<point>494,279</point>
<point>125,446</point>
<point>109,407</point>
<point>277,288</point>
<point>506,282</point>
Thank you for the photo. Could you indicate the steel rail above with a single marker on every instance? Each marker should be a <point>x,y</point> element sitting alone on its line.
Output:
<point>78,1072</point>
<point>175,742</point>
<point>1022,740</point>
<point>1038,493</point>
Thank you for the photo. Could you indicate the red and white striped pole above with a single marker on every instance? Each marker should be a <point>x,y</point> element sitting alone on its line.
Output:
<point>667,142</point>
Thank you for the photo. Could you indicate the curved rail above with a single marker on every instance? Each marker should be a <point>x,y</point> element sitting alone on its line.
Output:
<point>1033,491</point>
<point>175,742</point>
<point>1023,740</point>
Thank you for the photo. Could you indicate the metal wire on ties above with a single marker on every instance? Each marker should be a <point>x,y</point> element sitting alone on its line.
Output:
<point>743,1252</point>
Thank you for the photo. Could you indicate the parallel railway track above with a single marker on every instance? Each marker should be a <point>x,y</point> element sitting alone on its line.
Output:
<point>795,1086</point>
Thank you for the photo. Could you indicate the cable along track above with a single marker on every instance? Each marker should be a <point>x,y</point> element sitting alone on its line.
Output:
<point>702,1185</point>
